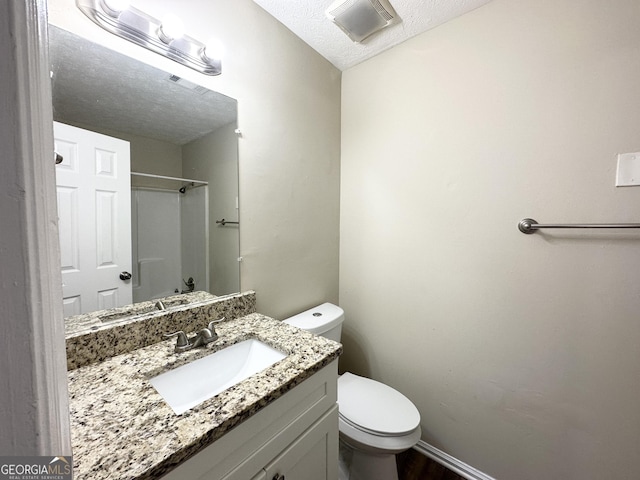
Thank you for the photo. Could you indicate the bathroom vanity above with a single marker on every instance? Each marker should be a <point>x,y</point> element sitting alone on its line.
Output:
<point>279,423</point>
<point>296,437</point>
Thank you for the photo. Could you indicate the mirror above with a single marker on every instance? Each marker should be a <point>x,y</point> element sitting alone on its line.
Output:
<point>183,158</point>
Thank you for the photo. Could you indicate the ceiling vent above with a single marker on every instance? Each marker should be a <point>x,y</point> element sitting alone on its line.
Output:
<point>361,18</point>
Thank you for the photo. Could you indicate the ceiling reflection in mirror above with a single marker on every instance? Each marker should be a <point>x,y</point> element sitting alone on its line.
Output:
<point>184,163</point>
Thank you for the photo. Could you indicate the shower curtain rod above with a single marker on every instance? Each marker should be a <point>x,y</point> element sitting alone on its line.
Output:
<point>162,177</point>
<point>529,225</point>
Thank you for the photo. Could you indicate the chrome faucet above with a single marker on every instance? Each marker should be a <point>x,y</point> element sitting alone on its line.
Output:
<point>204,336</point>
<point>201,338</point>
<point>191,285</point>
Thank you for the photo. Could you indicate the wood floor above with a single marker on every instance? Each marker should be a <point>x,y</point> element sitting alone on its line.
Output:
<point>415,466</point>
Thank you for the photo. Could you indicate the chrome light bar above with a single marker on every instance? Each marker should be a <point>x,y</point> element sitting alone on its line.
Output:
<point>142,29</point>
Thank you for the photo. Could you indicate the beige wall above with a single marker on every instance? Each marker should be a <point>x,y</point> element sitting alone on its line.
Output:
<point>214,158</point>
<point>154,156</point>
<point>289,114</point>
<point>521,352</point>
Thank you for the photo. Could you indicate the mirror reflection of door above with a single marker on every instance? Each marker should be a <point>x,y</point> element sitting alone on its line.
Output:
<point>94,209</point>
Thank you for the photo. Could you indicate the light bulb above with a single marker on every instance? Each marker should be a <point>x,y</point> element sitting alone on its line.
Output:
<point>115,7</point>
<point>171,28</point>
<point>212,50</point>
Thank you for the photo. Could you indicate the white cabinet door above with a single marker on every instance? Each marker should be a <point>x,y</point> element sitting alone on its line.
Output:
<point>94,209</point>
<point>312,456</point>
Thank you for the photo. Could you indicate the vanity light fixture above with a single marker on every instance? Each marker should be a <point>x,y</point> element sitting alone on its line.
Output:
<point>165,37</point>
<point>171,28</point>
<point>115,7</point>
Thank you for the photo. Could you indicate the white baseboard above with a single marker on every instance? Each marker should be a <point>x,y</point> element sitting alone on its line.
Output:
<point>452,463</point>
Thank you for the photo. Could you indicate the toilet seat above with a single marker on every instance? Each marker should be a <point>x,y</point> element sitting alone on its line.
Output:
<point>375,408</point>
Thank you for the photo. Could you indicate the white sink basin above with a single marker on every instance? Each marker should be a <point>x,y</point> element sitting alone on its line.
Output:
<point>193,383</point>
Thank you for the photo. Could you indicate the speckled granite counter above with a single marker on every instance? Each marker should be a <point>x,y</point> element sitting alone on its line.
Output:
<point>122,428</point>
<point>100,318</point>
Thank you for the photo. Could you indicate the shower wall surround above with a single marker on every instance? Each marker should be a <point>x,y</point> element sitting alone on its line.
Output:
<point>169,241</point>
<point>156,245</point>
<point>92,340</point>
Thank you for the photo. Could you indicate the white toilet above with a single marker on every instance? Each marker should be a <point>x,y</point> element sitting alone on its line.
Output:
<point>375,421</point>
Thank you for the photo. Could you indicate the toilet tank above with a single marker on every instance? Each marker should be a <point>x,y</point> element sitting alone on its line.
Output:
<point>325,320</point>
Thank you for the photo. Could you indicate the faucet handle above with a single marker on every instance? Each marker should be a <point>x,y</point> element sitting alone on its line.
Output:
<point>182,340</point>
<point>213,322</point>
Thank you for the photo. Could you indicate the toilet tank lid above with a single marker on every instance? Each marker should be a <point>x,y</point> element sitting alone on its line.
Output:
<point>318,319</point>
<point>375,407</point>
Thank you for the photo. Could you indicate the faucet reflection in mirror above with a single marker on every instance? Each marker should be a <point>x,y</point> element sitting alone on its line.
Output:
<point>165,37</point>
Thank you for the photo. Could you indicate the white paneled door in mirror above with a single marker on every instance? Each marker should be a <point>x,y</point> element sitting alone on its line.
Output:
<point>94,210</point>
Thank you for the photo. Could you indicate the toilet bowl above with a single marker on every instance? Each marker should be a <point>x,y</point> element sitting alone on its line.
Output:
<point>375,421</point>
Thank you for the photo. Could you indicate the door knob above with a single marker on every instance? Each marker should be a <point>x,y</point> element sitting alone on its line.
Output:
<point>277,476</point>
<point>125,276</point>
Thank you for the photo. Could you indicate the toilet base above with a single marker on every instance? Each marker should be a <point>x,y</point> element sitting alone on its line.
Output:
<point>357,465</point>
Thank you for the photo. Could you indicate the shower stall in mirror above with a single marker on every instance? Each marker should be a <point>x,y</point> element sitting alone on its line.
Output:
<point>169,236</point>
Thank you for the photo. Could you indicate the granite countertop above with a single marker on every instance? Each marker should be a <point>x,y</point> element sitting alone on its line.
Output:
<point>80,323</point>
<point>123,429</point>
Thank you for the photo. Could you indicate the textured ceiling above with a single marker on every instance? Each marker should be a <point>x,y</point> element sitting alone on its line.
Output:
<point>95,86</point>
<point>306,18</point>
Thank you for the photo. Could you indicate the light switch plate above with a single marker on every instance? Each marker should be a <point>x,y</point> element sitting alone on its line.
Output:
<point>628,173</point>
